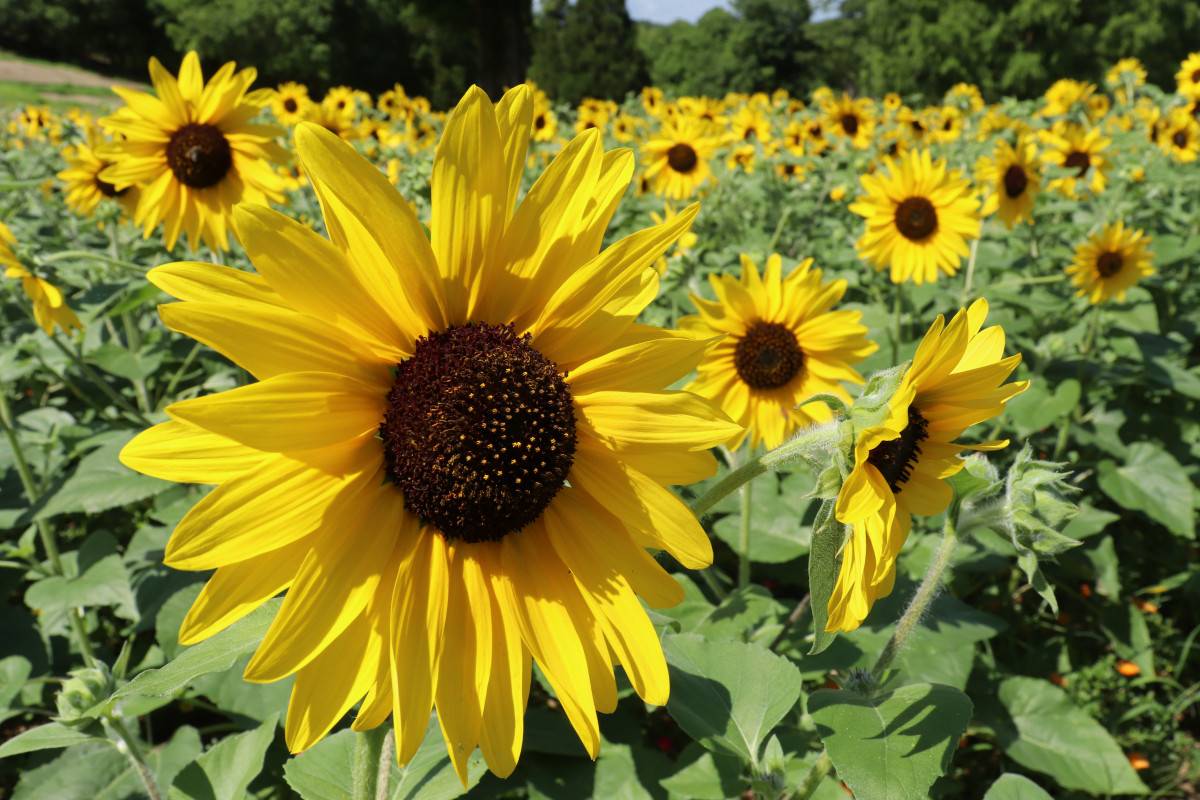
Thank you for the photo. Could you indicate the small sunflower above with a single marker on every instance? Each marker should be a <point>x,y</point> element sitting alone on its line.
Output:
<point>919,217</point>
<point>50,310</point>
<point>1127,73</point>
<point>337,120</point>
<point>852,119</point>
<point>892,102</point>
<point>780,344</point>
<point>790,171</point>
<point>84,186</point>
<point>1081,151</point>
<point>947,124</point>
<point>742,157</point>
<point>955,380</point>
<point>1187,79</point>
<point>652,100</point>
<point>1110,262</point>
<point>1180,137</point>
<point>1012,178</point>
<point>193,151</point>
<point>793,138</point>
<point>545,123</point>
<point>290,103</point>
<point>457,446</point>
<point>677,159</point>
<point>749,125</point>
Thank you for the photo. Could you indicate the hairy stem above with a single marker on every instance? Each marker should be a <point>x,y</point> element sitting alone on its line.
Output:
<point>134,751</point>
<point>812,780</point>
<point>368,745</point>
<point>744,536</point>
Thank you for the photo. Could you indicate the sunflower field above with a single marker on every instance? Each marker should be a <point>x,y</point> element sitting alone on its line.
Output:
<point>685,447</point>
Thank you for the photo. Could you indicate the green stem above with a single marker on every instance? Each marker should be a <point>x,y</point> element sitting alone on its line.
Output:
<point>896,303</point>
<point>970,276</point>
<point>133,340</point>
<point>783,218</point>
<point>726,486</point>
<point>383,775</point>
<point>45,532</point>
<point>744,536</point>
<point>134,751</point>
<point>368,745</point>
<point>1093,329</point>
<point>925,593</point>
<point>171,384</point>
<point>23,184</point>
<point>99,381</point>
<point>812,781</point>
<point>81,255</point>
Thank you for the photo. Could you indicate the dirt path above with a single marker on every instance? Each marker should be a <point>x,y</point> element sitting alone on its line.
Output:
<point>31,72</point>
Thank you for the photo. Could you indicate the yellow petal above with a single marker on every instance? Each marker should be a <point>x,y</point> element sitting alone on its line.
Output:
<point>190,280</point>
<point>675,420</point>
<point>503,729</point>
<point>329,685</point>
<point>514,119</point>
<point>647,365</point>
<point>177,451</point>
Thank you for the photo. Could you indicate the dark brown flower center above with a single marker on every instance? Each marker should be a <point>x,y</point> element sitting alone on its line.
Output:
<point>539,122</point>
<point>1078,160</point>
<point>767,356</point>
<point>682,158</point>
<point>1015,181</point>
<point>1196,76</point>
<point>479,431</point>
<point>289,105</point>
<point>916,218</point>
<point>199,155</point>
<point>1109,264</point>
<point>1180,138</point>
<point>896,459</point>
<point>849,124</point>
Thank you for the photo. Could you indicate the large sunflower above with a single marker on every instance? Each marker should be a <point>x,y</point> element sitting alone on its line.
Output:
<point>955,380</point>
<point>919,216</point>
<point>1108,263</point>
<point>193,151</point>
<point>84,186</point>
<point>1081,151</point>
<point>779,344</point>
<point>676,159</point>
<point>1011,177</point>
<point>457,447</point>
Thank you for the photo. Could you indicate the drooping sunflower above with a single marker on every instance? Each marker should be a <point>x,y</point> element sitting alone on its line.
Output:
<point>84,186</point>
<point>457,447</point>
<point>290,103</point>
<point>677,157</point>
<point>1180,137</point>
<point>919,216</point>
<point>852,119</point>
<point>1012,177</point>
<point>193,151</point>
<point>1187,79</point>
<point>1082,150</point>
<point>956,380</point>
<point>1110,262</point>
<point>50,309</point>
<point>780,344</point>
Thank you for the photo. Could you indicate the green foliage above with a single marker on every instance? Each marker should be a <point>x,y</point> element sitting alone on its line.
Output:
<point>586,49</point>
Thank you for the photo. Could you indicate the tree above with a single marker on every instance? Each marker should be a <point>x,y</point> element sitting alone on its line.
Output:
<point>588,48</point>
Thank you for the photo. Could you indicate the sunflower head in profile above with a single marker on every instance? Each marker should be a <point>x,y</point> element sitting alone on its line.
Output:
<point>919,216</point>
<point>290,103</point>
<point>458,446</point>
<point>50,309</point>
<point>1011,176</point>
<point>1187,79</point>
<point>193,151</point>
<point>851,119</point>
<point>85,189</point>
<point>677,158</point>
<point>1081,152</point>
<point>1180,137</point>
<point>776,342</point>
<point>1110,262</point>
<point>956,380</point>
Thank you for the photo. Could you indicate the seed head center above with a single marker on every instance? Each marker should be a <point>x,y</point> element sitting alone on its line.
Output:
<point>916,218</point>
<point>199,155</point>
<point>896,459</point>
<point>767,355</point>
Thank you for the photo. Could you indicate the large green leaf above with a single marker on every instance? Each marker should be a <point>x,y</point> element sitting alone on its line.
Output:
<point>100,482</point>
<point>1153,482</point>
<point>728,696</point>
<point>777,531</point>
<point>102,581</point>
<point>892,746</point>
<point>225,770</point>
<point>1011,786</point>
<point>1050,735</point>
<point>50,736</point>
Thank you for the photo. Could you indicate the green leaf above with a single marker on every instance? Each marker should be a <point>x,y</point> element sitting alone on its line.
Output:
<point>323,772</point>
<point>1011,786</point>
<point>708,777</point>
<point>824,562</point>
<point>50,736</point>
<point>99,483</point>
<point>738,616</point>
<point>895,745</point>
<point>212,655</point>
<point>1037,408</point>
<point>777,532</point>
<point>103,581</point>
<point>728,696</point>
<point>227,768</point>
<point>1153,482</point>
<point>14,671</point>
<point>1050,735</point>
<point>618,775</point>
<point>116,360</point>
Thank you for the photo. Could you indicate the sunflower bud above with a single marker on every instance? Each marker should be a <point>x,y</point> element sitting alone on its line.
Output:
<point>81,692</point>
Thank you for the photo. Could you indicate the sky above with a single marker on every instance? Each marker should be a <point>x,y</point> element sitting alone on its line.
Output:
<point>666,11</point>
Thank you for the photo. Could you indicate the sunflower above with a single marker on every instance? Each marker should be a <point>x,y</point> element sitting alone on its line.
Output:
<point>793,138</point>
<point>1074,147</point>
<point>84,186</point>
<point>892,102</point>
<point>545,124</point>
<point>339,122</point>
<point>919,216</point>
<point>682,245</point>
<point>708,111</point>
<point>1108,263</point>
<point>750,125</point>
<point>790,171</point>
<point>852,119</point>
<point>394,102</point>
<point>652,100</point>
<point>50,310</point>
<point>815,141</point>
<point>457,447</point>
<point>742,157</point>
<point>955,380</point>
<point>1126,74</point>
<point>1064,95</point>
<point>946,124</point>
<point>964,97</point>
<point>780,344</point>
<point>625,127</point>
<point>1180,138</point>
<point>677,158</point>
<point>1011,177</point>
<point>290,103</point>
<point>1187,80</point>
<point>193,151</point>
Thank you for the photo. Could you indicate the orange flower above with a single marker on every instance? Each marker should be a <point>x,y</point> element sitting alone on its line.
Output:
<point>1138,761</point>
<point>1128,668</point>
